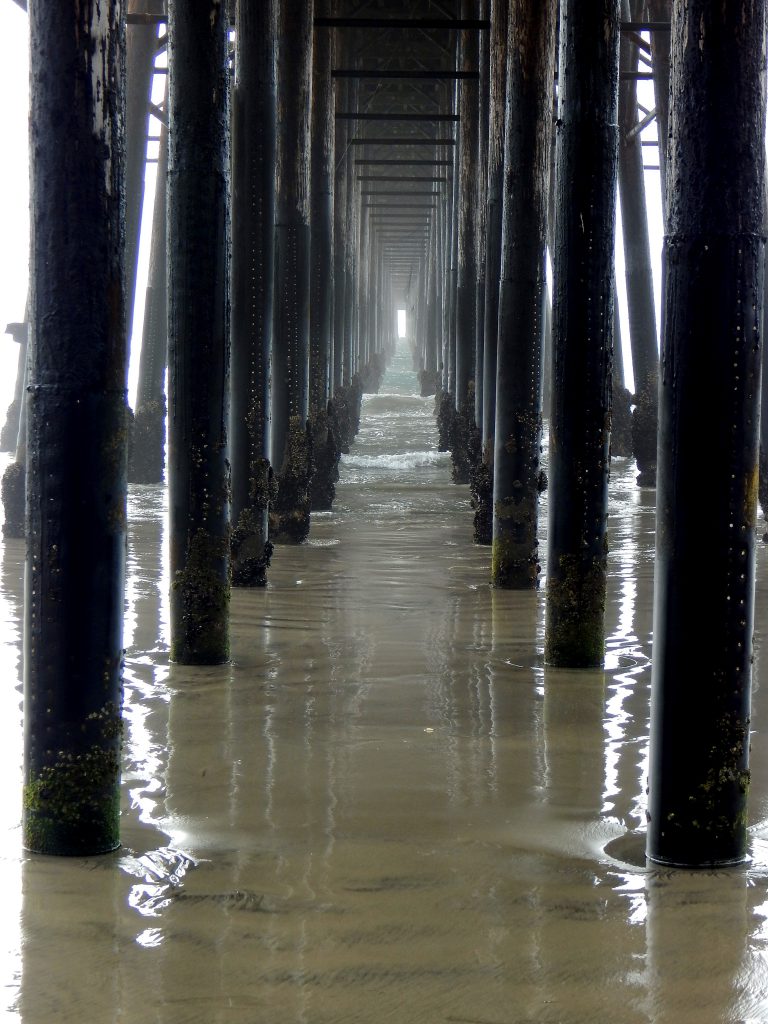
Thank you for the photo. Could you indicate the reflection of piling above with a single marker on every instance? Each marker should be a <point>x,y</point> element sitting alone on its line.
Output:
<point>198,331</point>
<point>291,441</point>
<point>582,333</point>
<point>714,912</point>
<point>77,433</point>
<point>517,477</point>
<point>147,459</point>
<point>709,394</point>
<point>253,243</point>
<point>637,262</point>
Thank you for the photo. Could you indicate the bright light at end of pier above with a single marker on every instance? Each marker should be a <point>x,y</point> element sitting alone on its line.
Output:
<point>401,323</point>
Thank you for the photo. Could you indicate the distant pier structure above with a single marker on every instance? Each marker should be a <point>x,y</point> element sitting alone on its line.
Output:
<point>322,165</point>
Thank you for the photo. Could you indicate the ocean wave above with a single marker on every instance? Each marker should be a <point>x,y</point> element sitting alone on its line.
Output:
<point>396,461</point>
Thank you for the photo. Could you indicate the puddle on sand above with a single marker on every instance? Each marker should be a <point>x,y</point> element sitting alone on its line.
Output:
<point>387,807</point>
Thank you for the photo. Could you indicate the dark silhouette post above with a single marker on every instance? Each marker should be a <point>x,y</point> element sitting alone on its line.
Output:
<point>582,331</point>
<point>350,269</point>
<point>637,263</point>
<point>763,457</point>
<point>147,457</point>
<point>429,374</point>
<point>479,475</point>
<point>198,330</point>
<point>362,296</point>
<point>481,214</point>
<point>517,478</point>
<point>325,449</point>
<point>291,434</point>
<point>341,184</point>
<point>444,217</point>
<point>446,400</point>
<point>466,255</point>
<point>77,441</point>
<point>253,250</point>
<point>483,489</point>
<point>708,423</point>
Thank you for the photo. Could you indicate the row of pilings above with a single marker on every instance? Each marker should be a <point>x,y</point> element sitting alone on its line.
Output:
<point>551,177</point>
<point>258,313</point>
<point>281,273</point>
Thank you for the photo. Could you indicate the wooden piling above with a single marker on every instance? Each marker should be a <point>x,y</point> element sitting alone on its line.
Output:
<point>708,436</point>
<point>77,432</point>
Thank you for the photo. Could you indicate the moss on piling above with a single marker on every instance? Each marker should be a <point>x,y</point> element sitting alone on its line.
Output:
<point>481,487</point>
<point>289,518</point>
<point>71,807</point>
<point>201,592</point>
<point>326,456</point>
<point>575,633</point>
<point>146,464</point>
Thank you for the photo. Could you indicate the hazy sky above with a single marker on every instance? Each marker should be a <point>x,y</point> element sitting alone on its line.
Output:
<point>14,195</point>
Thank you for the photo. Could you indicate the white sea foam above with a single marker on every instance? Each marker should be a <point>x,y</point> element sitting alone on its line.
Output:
<point>395,461</point>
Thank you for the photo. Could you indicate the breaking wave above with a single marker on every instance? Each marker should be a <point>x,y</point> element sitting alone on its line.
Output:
<point>397,461</point>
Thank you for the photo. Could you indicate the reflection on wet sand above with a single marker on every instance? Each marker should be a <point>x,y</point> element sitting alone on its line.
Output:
<point>386,807</point>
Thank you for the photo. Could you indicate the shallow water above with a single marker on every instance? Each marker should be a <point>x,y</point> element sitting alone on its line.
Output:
<point>386,807</point>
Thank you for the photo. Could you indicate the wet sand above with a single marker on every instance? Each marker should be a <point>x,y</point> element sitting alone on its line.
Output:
<point>386,807</point>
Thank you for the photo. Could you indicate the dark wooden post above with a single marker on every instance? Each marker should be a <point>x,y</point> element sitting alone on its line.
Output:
<point>352,230</point>
<point>291,438</point>
<point>77,422</point>
<point>362,293</point>
<point>466,254</point>
<point>253,250</point>
<point>637,262</point>
<point>324,446</point>
<point>582,331</point>
<point>497,105</point>
<point>147,460</point>
<point>445,406</point>
<point>341,184</point>
<point>483,490</point>
<point>344,190</point>
<point>763,473</point>
<point>481,209</point>
<point>528,126</point>
<point>443,214</point>
<point>198,330</point>
<point>479,474</point>
<point>708,424</point>
<point>429,376</point>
